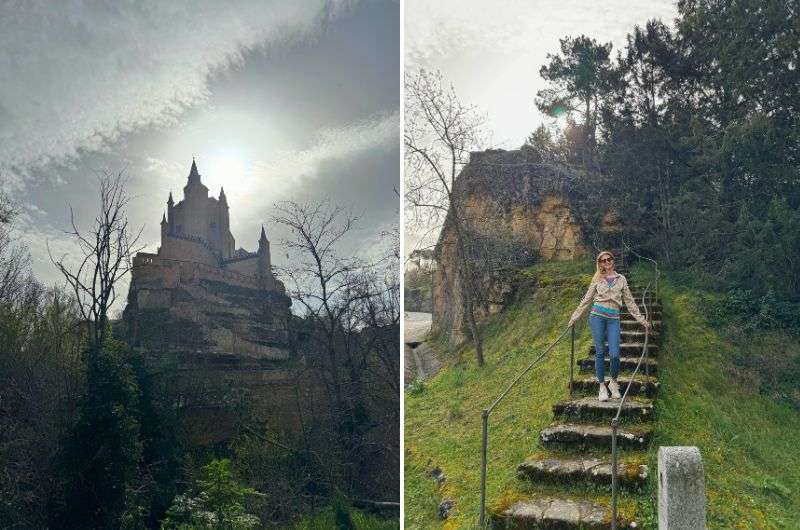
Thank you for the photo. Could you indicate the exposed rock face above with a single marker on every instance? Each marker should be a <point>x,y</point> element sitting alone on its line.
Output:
<point>515,212</point>
<point>187,306</point>
<point>213,320</point>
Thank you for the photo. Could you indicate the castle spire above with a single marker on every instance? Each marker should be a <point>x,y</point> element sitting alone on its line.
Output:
<point>264,258</point>
<point>163,219</point>
<point>170,202</point>
<point>222,197</point>
<point>194,175</point>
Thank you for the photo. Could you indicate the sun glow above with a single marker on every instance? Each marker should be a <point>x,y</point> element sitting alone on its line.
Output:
<point>226,166</point>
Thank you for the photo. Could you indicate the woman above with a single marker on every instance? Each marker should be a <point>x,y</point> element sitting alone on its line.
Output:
<point>606,293</point>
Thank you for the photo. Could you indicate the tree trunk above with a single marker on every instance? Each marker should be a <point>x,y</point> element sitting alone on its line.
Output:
<point>473,328</point>
<point>467,288</point>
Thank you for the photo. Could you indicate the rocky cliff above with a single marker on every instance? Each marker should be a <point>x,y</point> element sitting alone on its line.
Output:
<point>514,212</point>
<point>219,342</point>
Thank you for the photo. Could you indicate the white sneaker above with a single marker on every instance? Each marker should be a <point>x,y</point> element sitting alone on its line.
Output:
<point>603,395</point>
<point>614,388</point>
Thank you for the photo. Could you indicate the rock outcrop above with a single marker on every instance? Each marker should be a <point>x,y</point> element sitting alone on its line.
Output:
<point>514,213</point>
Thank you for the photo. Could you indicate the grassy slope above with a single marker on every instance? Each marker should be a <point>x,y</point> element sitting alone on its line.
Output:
<point>749,444</point>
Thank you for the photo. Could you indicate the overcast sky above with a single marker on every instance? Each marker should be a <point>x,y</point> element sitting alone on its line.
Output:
<point>492,55</point>
<point>276,100</point>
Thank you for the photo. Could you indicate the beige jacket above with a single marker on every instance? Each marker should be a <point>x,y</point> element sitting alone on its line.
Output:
<point>600,293</point>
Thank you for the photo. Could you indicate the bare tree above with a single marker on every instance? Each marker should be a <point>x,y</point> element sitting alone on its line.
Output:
<point>105,255</point>
<point>320,280</point>
<point>440,131</point>
<point>40,375</point>
<point>351,308</point>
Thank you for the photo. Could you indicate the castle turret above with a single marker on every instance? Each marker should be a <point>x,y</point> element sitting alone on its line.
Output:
<point>170,214</point>
<point>164,226</point>
<point>264,259</point>
<point>228,243</point>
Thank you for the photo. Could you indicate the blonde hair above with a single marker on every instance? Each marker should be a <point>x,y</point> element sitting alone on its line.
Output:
<point>599,272</point>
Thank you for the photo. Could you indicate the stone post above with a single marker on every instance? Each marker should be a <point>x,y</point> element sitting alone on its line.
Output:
<point>681,489</point>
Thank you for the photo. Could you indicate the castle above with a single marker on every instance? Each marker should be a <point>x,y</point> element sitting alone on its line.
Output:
<point>198,293</point>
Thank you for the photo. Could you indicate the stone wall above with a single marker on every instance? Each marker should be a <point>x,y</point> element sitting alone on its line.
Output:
<point>181,249</point>
<point>247,266</point>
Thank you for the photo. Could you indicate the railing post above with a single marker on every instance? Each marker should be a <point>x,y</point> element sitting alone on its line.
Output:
<point>484,444</point>
<point>614,425</point>
<point>572,361</point>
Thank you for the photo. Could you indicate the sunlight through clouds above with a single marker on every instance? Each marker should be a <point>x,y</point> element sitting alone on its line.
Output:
<point>96,74</point>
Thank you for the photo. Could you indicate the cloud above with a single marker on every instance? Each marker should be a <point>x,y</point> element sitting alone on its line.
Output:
<point>76,76</point>
<point>290,170</point>
<point>352,166</point>
<point>436,31</point>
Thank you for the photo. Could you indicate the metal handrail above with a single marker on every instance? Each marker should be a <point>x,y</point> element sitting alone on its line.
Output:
<point>654,262</point>
<point>615,420</point>
<point>486,412</point>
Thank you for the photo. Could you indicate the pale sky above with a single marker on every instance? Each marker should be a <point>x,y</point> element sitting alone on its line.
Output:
<point>277,100</point>
<point>492,51</point>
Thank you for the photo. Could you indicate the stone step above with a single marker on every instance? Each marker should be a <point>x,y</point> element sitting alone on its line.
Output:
<point>637,335</point>
<point>596,470</point>
<point>632,349</point>
<point>626,364</point>
<point>584,435</point>
<point>590,407</point>
<point>556,513</point>
<point>632,324</point>
<point>642,386</point>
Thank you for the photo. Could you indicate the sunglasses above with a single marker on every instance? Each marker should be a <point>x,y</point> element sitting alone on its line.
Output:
<point>605,259</point>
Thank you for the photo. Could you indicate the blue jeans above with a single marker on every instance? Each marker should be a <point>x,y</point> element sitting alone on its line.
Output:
<point>605,329</point>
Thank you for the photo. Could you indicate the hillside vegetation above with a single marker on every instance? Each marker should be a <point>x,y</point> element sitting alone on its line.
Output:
<point>748,440</point>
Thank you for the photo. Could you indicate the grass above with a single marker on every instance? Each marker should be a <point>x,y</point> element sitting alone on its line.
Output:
<point>748,442</point>
<point>442,421</point>
<point>326,519</point>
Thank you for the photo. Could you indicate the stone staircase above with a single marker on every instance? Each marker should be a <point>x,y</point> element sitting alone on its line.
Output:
<point>573,461</point>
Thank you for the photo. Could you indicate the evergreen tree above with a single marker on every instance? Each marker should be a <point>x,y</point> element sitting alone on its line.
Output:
<point>217,503</point>
<point>100,456</point>
<point>580,77</point>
